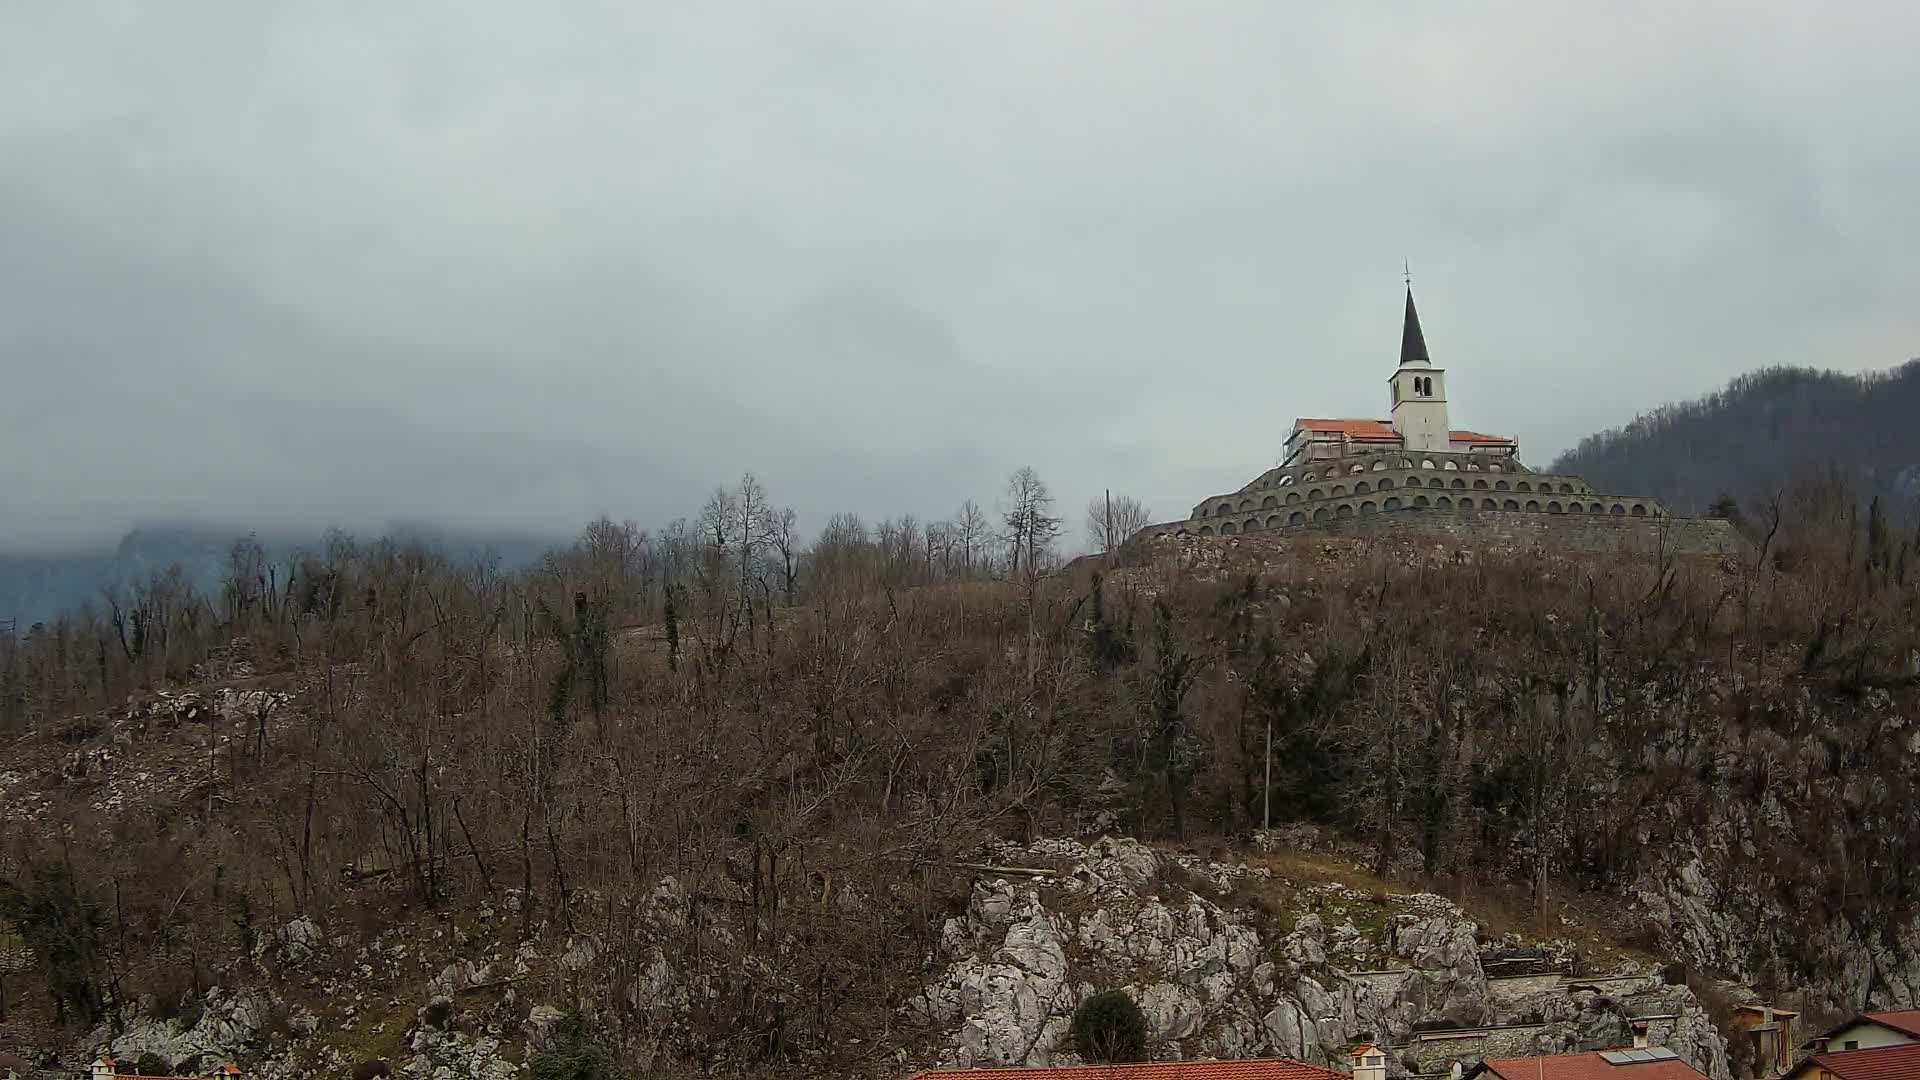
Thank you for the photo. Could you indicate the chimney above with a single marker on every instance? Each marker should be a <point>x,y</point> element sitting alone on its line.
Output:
<point>1369,1062</point>
<point>1639,1034</point>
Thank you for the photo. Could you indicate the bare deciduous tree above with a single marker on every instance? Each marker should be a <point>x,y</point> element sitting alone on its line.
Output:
<point>781,529</point>
<point>1030,524</point>
<point>971,533</point>
<point>1111,522</point>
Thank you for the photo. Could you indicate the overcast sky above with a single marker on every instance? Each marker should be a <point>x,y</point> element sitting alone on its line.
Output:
<point>509,265</point>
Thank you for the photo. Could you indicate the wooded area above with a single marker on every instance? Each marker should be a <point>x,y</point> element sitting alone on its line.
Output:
<point>806,738</point>
<point>1755,438</point>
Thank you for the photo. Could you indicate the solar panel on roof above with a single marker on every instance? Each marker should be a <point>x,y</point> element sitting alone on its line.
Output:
<point>1661,1053</point>
<point>1615,1057</point>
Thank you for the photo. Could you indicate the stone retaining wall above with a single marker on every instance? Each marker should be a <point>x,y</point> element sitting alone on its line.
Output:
<point>1503,989</point>
<point>1588,533</point>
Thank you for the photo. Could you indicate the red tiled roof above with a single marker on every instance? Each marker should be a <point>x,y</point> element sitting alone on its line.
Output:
<point>226,1070</point>
<point>1251,1069</point>
<point>1900,1062</point>
<point>1364,429</point>
<point>1907,1020</point>
<point>1351,427</point>
<point>1588,1066</point>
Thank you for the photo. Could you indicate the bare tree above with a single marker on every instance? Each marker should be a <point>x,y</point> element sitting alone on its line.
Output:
<point>970,536</point>
<point>900,549</point>
<point>781,529</point>
<point>939,549</point>
<point>715,530</point>
<point>1112,521</point>
<point>1031,526</point>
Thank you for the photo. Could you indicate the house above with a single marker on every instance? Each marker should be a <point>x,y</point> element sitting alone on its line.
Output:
<point>105,1068</point>
<point>1652,1063</point>
<point>12,1067</point>
<point>1768,1034</point>
<point>1250,1069</point>
<point>1898,1061</point>
<point>1890,1027</point>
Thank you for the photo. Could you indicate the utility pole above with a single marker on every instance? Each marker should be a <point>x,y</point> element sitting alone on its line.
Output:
<point>1107,541</point>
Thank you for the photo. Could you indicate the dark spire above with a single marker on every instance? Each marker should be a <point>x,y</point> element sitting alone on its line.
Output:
<point>1413,344</point>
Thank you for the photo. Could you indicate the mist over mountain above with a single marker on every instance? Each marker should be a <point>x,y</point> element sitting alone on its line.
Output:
<point>1750,440</point>
<point>1753,438</point>
<point>38,587</point>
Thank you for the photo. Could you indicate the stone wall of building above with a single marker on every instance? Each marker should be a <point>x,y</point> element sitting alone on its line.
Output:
<point>1588,533</point>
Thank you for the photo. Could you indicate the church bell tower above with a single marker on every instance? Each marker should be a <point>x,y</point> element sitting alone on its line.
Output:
<point>1419,391</point>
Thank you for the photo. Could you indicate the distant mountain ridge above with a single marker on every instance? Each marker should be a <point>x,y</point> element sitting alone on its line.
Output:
<point>36,588</point>
<point>1753,438</point>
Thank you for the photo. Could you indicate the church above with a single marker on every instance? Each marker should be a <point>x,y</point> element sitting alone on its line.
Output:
<point>1414,469</point>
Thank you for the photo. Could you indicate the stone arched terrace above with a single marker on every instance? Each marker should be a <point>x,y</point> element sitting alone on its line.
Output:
<point>1317,492</point>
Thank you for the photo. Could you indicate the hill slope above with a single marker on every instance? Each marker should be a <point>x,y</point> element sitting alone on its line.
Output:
<point>1751,439</point>
<point>877,828</point>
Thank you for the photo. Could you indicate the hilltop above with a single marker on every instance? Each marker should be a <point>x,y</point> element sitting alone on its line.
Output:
<point>1766,430</point>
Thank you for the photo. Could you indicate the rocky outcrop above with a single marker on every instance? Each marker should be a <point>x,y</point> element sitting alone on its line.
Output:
<point>1214,981</point>
<point>231,1024</point>
<point>294,943</point>
<point>1708,912</point>
<point>447,1055</point>
<point>1007,988</point>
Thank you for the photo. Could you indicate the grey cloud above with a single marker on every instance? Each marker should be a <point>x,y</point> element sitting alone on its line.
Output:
<point>511,265</point>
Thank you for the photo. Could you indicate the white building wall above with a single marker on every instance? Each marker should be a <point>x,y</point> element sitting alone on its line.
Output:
<point>1868,1036</point>
<point>1421,419</point>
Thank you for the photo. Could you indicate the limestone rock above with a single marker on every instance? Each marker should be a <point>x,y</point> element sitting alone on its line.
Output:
<point>1173,1012</point>
<point>1115,865</point>
<point>1013,1006</point>
<point>295,943</point>
<point>231,1024</point>
<point>1306,947</point>
<point>453,1055</point>
<point>1290,1032</point>
<point>1446,983</point>
<point>540,1023</point>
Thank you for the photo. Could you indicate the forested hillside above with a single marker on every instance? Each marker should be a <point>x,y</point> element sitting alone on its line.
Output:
<point>714,800</point>
<point>1752,439</point>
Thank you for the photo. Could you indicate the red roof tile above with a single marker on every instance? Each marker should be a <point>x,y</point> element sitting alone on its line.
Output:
<point>1880,1063</point>
<point>1588,1066</point>
<point>1907,1020</point>
<point>1251,1069</point>
<point>1363,429</point>
<point>1351,427</point>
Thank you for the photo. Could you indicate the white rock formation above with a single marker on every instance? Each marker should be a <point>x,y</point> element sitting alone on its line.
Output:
<point>1011,970</point>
